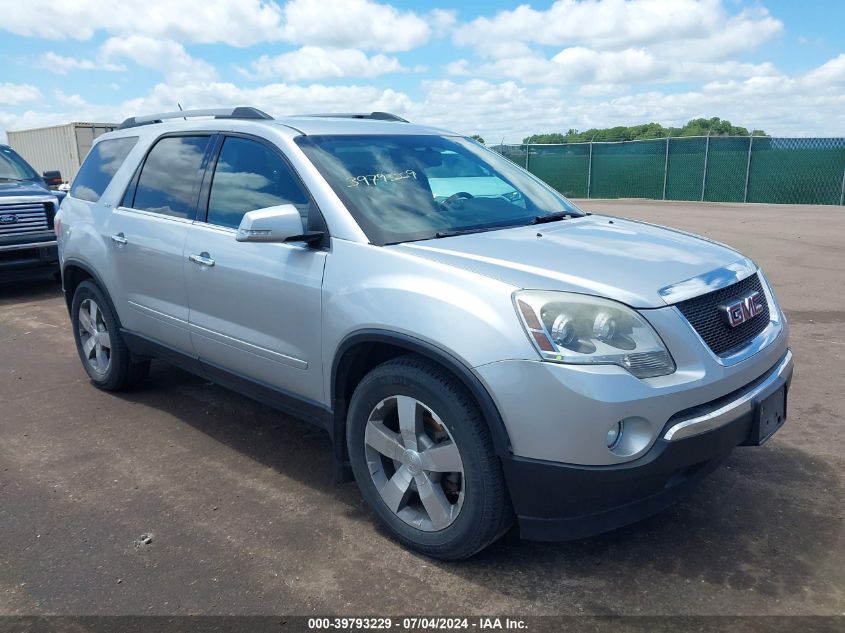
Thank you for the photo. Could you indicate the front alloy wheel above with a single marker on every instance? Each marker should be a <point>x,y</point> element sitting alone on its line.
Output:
<point>424,460</point>
<point>414,463</point>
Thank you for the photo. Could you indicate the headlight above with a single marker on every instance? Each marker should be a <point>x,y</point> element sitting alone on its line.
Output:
<point>579,329</point>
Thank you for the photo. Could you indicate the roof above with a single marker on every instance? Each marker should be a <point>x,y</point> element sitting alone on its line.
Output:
<point>334,123</point>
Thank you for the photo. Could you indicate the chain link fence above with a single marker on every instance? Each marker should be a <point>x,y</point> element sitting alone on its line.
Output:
<point>711,168</point>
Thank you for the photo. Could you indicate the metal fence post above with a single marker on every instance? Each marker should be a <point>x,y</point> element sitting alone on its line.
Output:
<point>590,169</point>
<point>527,151</point>
<point>748,167</point>
<point>704,175</point>
<point>842,190</point>
<point>666,168</point>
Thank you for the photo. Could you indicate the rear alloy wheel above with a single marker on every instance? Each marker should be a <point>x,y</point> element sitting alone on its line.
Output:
<point>424,461</point>
<point>94,337</point>
<point>103,353</point>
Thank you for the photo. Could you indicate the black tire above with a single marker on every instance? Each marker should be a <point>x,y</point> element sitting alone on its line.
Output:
<point>485,514</point>
<point>122,371</point>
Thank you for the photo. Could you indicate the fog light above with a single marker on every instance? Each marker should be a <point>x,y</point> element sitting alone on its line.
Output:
<point>614,434</point>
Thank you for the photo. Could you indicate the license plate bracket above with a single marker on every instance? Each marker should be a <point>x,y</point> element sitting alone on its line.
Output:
<point>769,416</point>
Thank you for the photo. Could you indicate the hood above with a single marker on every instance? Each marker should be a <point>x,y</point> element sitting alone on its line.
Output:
<point>28,188</point>
<point>619,259</point>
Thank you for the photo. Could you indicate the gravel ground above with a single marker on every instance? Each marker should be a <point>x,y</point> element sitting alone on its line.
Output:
<point>185,498</point>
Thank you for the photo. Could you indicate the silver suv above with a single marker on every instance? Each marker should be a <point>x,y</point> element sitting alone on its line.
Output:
<point>479,350</point>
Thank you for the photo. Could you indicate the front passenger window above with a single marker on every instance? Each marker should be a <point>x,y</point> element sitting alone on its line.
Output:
<point>251,176</point>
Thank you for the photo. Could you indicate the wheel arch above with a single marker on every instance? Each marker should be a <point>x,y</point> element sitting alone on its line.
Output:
<point>360,351</point>
<point>74,272</point>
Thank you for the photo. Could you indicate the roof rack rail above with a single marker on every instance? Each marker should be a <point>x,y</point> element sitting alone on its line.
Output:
<point>378,116</point>
<point>240,112</point>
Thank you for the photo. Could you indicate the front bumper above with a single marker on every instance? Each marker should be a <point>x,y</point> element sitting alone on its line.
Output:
<point>555,501</point>
<point>25,254</point>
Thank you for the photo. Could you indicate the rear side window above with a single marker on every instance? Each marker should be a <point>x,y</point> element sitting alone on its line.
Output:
<point>251,176</point>
<point>101,164</point>
<point>171,175</point>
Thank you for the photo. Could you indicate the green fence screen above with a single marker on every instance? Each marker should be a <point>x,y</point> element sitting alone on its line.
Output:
<point>715,169</point>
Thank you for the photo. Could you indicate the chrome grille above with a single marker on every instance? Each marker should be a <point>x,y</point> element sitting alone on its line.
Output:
<point>29,217</point>
<point>704,315</point>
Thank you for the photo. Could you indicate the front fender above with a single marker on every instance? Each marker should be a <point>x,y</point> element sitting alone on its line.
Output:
<point>368,287</point>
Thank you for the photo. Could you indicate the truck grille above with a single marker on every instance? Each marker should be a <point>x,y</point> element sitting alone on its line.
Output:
<point>704,315</point>
<point>23,218</point>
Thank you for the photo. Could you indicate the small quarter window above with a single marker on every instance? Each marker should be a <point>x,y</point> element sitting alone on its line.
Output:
<point>170,178</point>
<point>251,176</point>
<point>101,164</point>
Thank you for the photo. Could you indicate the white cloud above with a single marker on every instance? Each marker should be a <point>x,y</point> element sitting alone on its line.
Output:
<point>73,101</point>
<point>458,67</point>
<point>278,99</point>
<point>314,62</point>
<point>234,22</point>
<point>584,66</point>
<point>804,104</point>
<point>442,21</point>
<point>13,94</point>
<point>830,74</point>
<point>360,24</point>
<point>355,24</point>
<point>616,24</point>
<point>167,56</point>
<point>620,42</point>
<point>576,63</point>
<point>783,105</point>
<point>62,65</point>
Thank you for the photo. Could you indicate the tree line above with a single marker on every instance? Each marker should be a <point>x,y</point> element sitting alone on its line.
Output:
<point>695,127</point>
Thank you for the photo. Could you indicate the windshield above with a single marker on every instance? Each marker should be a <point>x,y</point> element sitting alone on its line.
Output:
<point>13,167</point>
<point>404,188</point>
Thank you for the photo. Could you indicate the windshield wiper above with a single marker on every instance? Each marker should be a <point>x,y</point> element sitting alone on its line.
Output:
<point>439,234</point>
<point>481,229</point>
<point>553,217</point>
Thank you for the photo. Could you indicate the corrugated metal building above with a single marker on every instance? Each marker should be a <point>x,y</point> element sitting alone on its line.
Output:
<point>59,147</point>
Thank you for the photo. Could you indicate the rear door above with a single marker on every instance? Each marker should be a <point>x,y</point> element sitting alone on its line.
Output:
<point>255,308</point>
<point>147,236</point>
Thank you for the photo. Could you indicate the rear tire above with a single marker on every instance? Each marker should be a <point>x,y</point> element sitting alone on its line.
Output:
<point>447,504</point>
<point>101,348</point>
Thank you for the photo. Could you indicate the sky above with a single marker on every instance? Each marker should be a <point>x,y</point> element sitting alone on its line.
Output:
<point>500,69</point>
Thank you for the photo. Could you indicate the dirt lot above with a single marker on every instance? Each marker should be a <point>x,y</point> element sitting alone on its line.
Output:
<point>244,517</point>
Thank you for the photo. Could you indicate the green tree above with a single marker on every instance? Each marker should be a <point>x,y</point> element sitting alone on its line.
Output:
<point>695,127</point>
<point>477,137</point>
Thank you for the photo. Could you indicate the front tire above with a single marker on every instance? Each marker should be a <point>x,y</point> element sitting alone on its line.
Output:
<point>101,347</point>
<point>424,461</point>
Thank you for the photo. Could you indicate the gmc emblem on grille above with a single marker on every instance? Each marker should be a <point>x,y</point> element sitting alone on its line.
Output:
<point>741,310</point>
<point>9,218</point>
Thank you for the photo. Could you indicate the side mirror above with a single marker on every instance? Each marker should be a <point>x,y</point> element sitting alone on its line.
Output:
<point>281,223</point>
<point>53,178</point>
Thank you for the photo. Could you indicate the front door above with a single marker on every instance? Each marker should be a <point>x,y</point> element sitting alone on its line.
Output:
<point>255,308</point>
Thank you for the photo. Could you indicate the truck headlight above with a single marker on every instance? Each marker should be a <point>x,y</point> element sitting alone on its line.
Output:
<point>580,329</point>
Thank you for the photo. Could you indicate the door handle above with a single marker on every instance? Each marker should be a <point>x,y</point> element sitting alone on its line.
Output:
<point>203,259</point>
<point>119,238</point>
